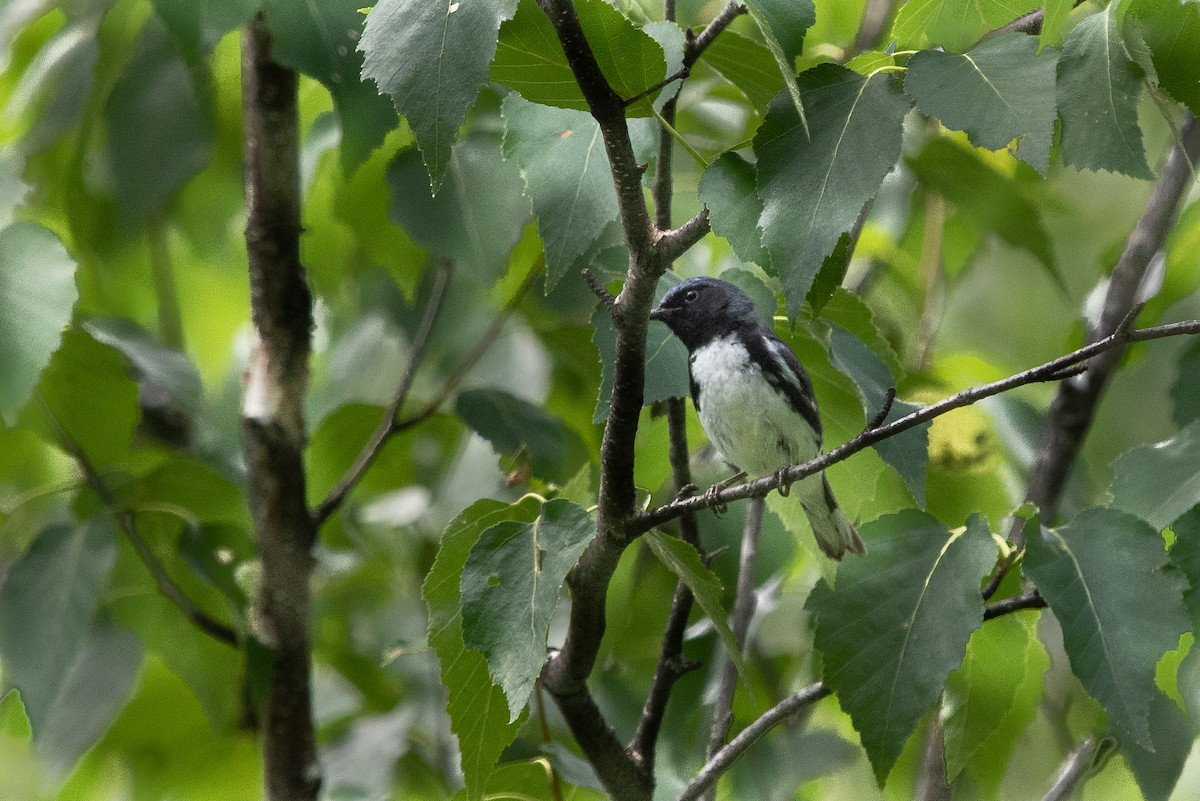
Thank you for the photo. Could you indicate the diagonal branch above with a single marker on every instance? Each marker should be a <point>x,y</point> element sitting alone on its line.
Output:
<point>125,519</point>
<point>1050,371</point>
<point>387,424</point>
<point>1077,764</point>
<point>696,44</point>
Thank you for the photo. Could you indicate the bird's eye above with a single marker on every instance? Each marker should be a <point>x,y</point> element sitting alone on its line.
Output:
<point>691,295</point>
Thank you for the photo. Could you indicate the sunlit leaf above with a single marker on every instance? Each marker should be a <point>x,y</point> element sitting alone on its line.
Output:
<point>953,24</point>
<point>1172,32</point>
<point>14,723</point>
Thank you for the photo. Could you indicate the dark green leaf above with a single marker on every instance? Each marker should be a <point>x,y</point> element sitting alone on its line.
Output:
<point>160,131</point>
<point>787,21</point>
<point>1157,771</point>
<point>992,698</point>
<point>37,292</point>
<point>513,425</point>
<point>566,172</point>
<point>727,188</point>
<point>831,275</point>
<point>1159,482</point>
<point>91,397</point>
<point>747,65</point>
<point>997,92</point>
<point>684,561</point>
<point>1185,392</point>
<point>47,603</point>
<point>1185,556</point>
<point>1102,576</point>
<point>432,58</point>
<point>666,358</point>
<point>14,723</point>
<point>92,692</point>
<point>477,708</point>
<point>898,621</point>
<point>511,585</point>
<point>1098,88</point>
<point>813,187</point>
<point>991,200</point>
<point>530,59</point>
<point>907,453</point>
<point>320,38</point>
<point>155,363</point>
<point>199,26</point>
<point>1172,32</point>
<point>477,217</point>
<point>953,24</point>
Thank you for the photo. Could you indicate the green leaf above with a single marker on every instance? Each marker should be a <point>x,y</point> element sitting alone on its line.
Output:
<point>747,65</point>
<point>1172,32</point>
<point>199,26</point>
<point>155,363</point>
<point>1159,482</point>
<point>37,292</point>
<point>786,23</point>
<point>1185,392</point>
<point>1098,88</point>
<point>1157,771</point>
<point>997,92</point>
<point>47,603</point>
<point>319,38</point>
<point>953,24</point>
<point>565,168</point>
<point>1053,21</point>
<point>513,425</point>
<point>511,585</point>
<point>432,58</point>
<point>830,277</point>
<point>1185,556</point>
<point>14,723</point>
<point>159,129</point>
<point>991,200</point>
<point>907,453</point>
<point>478,709</point>
<point>990,700</point>
<point>727,188</point>
<point>666,358</point>
<point>898,622</point>
<point>91,694</point>
<point>684,561</point>
<point>813,187</point>
<point>530,59</point>
<point>478,216</point>
<point>91,397</point>
<point>1102,577</point>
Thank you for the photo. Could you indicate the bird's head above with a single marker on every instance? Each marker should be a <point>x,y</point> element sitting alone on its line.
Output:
<point>700,309</point>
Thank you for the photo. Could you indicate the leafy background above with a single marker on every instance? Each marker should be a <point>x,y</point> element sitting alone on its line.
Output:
<point>124,326</point>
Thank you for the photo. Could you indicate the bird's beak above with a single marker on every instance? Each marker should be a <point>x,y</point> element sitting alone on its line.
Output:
<point>660,314</point>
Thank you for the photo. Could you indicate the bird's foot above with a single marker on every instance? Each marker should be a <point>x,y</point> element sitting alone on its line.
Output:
<point>785,486</point>
<point>710,494</point>
<point>686,491</point>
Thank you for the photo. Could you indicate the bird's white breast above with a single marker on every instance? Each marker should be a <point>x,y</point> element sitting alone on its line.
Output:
<point>747,419</point>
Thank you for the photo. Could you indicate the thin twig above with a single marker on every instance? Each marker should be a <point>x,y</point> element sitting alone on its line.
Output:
<point>743,610</point>
<point>669,511</point>
<point>599,290</point>
<point>125,519</point>
<point>678,75</point>
<point>889,398</point>
<point>1029,600</point>
<point>387,423</point>
<point>1076,765</point>
<point>731,753</point>
<point>695,45</point>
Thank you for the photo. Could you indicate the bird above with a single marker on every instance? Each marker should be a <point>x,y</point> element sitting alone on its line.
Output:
<point>754,399</point>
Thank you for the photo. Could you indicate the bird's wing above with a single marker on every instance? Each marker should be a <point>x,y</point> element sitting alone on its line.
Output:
<point>785,373</point>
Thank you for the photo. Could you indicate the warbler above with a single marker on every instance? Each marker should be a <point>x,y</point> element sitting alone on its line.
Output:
<point>754,399</point>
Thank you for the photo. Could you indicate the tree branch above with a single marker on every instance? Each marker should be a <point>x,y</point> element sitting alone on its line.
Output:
<point>387,423</point>
<point>126,521</point>
<point>1076,765</point>
<point>1074,405</point>
<point>1043,372</point>
<point>724,759</point>
<point>273,413</point>
<point>695,45</point>
<point>1029,600</point>
<point>739,622</point>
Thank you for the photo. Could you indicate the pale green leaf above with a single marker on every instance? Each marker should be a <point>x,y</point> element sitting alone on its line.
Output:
<point>14,723</point>
<point>37,292</point>
<point>1102,577</point>
<point>1159,482</point>
<point>1098,89</point>
<point>898,621</point>
<point>814,185</point>
<point>432,57</point>
<point>478,709</point>
<point>953,24</point>
<point>996,92</point>
<point>511,585</point>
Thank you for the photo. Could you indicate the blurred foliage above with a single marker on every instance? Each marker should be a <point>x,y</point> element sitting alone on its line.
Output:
<point>998,207</point>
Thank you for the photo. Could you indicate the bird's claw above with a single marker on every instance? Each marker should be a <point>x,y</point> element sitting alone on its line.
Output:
<point>686,491</point>
<point>710,497</point>
<point>785,486</point>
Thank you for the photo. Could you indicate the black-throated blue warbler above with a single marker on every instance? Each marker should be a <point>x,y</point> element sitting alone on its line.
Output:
<point>754,399</point>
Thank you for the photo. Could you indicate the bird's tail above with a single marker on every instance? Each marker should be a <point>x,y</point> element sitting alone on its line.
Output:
<point>834,532</point>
